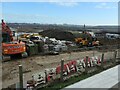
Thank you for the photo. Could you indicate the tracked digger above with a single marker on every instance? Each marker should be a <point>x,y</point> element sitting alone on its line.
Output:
<point>11,47</point>
<point>86,40</point>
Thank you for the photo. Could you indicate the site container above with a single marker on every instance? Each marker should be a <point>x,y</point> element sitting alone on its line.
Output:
<point>51,47</point>
<point>40,46</point>
<point>32,49</point>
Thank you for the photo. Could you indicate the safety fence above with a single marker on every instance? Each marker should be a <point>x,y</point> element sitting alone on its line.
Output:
<point>79,66</point>
<point>68,69</point>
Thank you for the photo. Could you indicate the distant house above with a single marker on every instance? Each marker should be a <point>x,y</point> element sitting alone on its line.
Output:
<point>112,36</point>
<point>100,34</point>
<point>104,34</point>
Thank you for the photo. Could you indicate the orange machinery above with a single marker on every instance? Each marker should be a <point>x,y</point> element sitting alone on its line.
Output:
<point>81,41</point>
<point>86,40</point>
<point>9,46</point>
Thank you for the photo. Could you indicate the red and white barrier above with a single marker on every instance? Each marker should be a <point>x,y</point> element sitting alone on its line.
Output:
<point>96,60</point>
<point>37,79</point>
<point>51,73</point>
<point>79,66</point>
<point>65,70</point>
<point>72,66</point>
<point>91,62</point>
<point>87,62</point>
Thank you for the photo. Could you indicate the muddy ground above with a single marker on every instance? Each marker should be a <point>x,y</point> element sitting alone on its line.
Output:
<point>37,64</point>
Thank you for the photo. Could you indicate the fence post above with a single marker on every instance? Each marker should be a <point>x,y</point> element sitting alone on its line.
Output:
<point>102,61</point>
<point>93,53</point>
<point>118,55</point>
<point>114,60</point>
<point>46,76</point>
<point>86,65</point>
<point>62,67</point>
<point>21,76</point>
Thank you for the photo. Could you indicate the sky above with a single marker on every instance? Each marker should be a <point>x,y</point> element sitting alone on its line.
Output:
<point>89,13</point>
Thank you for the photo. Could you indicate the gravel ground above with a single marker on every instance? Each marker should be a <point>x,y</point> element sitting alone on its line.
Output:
<point>36,64</point>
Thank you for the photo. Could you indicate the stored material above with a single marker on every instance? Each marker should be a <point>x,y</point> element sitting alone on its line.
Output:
<point>32,49</point>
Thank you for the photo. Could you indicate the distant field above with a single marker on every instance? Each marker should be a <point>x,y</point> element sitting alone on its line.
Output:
<point>36,27</point>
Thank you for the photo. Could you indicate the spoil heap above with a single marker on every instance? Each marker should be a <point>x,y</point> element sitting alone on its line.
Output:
<point>58,34</point>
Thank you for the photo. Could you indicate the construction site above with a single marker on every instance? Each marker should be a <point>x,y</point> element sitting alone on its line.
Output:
<point>51,56</point>
<point>59,45</point>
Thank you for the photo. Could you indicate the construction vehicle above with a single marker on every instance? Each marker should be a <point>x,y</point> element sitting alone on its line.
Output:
<point>9,46</point>
<point>86,40</point>
<point>26,36</point>
<point>95,42</point>
<point>81,41</point>
<point>35,37</point>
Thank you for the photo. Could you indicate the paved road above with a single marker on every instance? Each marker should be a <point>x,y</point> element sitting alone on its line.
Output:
<point>104,80</point>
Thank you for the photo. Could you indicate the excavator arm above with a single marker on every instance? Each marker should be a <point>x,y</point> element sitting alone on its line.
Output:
<point>6,31</point>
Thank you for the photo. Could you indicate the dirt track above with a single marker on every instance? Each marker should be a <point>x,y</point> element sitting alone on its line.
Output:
<point>36,64</point>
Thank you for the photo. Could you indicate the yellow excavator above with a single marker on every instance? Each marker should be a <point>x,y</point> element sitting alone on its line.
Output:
<point>81,41</point>
<point>85,39</point>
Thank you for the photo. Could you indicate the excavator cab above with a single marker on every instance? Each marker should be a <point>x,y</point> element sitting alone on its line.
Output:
<point>5,38</point>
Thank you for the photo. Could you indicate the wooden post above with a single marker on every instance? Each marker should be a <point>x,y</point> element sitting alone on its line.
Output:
<point>102,61</point>
<point>62,67</point>
<point>93,53</point>
<point>86,65</point>
<point>21,76</point>
<point>46,76</point>
<point>118,55</point>
<point>114,60</point>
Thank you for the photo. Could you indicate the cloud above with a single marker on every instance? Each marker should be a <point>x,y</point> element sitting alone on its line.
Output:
<point>67,4</point>
<point>104,6</point>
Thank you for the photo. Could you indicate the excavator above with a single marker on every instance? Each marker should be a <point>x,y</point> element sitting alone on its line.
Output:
<point>10,47</point>
<point>86,40</point>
